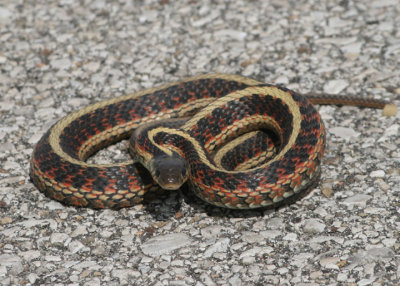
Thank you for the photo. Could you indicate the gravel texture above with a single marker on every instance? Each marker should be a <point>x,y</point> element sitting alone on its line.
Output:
<point>59,56</point>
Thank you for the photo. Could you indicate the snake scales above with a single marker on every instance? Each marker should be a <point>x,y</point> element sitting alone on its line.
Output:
<point>238,142</point>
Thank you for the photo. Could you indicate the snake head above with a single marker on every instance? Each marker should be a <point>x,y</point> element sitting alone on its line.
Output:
<point>170,172</point>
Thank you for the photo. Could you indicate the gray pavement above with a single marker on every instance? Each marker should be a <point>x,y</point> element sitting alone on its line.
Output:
<point>59,56</point>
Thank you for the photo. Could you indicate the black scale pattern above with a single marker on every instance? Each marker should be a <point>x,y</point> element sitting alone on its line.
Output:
<point>46,165</point>
<point>212,125</point>
<point>88,125</point>
<point>251,148</point>
<point>306,140</point>
<point>238,109</point>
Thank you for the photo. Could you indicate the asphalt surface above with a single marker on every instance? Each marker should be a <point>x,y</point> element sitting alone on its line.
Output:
<point>57,57</point>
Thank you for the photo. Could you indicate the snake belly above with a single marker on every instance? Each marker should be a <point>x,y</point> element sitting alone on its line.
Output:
<point>59,168</point>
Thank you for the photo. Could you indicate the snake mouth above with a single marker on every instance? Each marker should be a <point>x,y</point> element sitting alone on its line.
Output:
<point>171,185</point>
<point>169,172</point>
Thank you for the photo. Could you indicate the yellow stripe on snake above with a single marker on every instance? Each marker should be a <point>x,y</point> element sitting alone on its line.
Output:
<point>239,144</point>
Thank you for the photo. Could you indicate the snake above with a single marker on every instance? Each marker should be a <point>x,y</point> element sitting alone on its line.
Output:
<point>237,142</point>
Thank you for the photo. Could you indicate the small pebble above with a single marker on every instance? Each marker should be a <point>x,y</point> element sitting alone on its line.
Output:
<point>165,243</point>
<point>335,86</point>
<point>377,174</point>
<point>330,262</point>
<point>344,132</point>
<point>313,226</point>
<point>359,199</point>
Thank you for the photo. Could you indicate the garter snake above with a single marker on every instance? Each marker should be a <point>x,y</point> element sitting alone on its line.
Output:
<point>238,142</point>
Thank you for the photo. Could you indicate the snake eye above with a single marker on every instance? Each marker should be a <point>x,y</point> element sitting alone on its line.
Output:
<point>183,172</point>
<point>157,173</point>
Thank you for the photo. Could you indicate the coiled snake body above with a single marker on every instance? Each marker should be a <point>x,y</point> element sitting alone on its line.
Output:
<point>245,145</point>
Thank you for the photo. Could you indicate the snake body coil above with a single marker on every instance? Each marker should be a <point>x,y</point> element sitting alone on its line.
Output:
<point>227,111</point>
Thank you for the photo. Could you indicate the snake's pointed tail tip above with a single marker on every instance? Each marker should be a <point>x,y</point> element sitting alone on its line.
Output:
<point>389,110</point>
